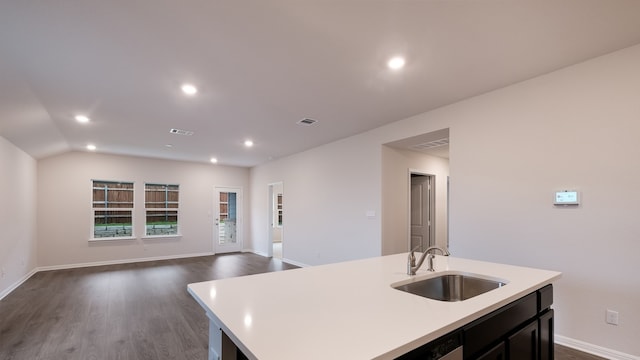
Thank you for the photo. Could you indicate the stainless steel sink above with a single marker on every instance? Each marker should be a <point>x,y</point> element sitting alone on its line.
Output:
<point>450,287</point>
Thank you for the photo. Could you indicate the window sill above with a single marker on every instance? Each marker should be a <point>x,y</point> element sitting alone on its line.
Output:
<point>128,238</point>
<point>152,237</point>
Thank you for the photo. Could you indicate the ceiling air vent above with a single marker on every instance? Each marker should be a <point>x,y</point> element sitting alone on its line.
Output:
<point>307,122</point>
<point>181,132</point>
<point>431,144</point>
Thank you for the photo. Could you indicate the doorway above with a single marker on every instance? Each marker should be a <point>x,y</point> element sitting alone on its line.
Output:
<point>276,233</point>
<point>227,232</point>
<point>422,202</point>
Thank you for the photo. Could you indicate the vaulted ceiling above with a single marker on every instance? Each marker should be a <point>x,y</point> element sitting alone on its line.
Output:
<point>260,66</point>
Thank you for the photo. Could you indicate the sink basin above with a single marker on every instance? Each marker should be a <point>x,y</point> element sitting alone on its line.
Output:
<point>450,287</point>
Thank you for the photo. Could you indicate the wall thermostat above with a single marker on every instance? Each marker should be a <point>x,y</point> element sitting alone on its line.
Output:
<point>567,197</point>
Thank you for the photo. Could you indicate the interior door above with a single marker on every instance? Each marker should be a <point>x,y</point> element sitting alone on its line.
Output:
<point>228,220</point>
<point>420,212</point>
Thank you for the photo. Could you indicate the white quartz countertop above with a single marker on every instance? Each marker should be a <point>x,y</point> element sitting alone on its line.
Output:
<point>349,310</point>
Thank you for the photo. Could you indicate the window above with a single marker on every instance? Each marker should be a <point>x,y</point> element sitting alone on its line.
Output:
<point>112,209</point>
<point>161,207</point>
<point>278,212</point>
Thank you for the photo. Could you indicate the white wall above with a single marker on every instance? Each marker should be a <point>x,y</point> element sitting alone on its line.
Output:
<point>510,150</point>
<point>328,191</point>
<point>64,206</point>
<point>395,202</point>
<point>18,255</point>
<point>576,128</point>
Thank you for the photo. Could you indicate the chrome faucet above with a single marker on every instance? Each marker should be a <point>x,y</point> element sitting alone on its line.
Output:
<point>412,267</point>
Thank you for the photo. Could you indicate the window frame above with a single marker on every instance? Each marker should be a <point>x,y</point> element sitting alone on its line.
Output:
<point>176,209</point>
<point>94,210</point>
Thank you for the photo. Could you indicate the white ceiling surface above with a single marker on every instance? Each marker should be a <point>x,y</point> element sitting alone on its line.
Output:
<point>263,65</point>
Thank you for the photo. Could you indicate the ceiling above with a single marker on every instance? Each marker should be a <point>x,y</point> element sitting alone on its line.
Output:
<point>263,65</point>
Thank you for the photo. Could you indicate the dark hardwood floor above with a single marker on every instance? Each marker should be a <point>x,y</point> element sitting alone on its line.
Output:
<point>566,353</point>
<point>130,311</point>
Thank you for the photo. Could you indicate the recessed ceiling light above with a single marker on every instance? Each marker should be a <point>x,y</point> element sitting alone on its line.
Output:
<point>213,160</point>
<point>396,63</point>
<point>91,147</point>
<point>82,119</point>
<point>189,89</point>
<point>169,146</point>
<point>248,143</point>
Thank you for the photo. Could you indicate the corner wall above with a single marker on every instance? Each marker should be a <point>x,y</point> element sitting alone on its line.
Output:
<point>327,194</point>
<point>396,213</point>
<point>18,254</point>
<point>64,207</point>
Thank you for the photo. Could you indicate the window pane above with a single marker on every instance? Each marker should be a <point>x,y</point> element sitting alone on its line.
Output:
<point>161,202</point>
<point>112,223</point>
<point>113,195</point>
<point>158,196</point>
<point>162,222</point>
<point>279,209</point>
<point>227,222</point>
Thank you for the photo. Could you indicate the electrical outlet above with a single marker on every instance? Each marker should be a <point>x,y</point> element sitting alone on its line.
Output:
<point>2,273</point>
<point>612,317</point>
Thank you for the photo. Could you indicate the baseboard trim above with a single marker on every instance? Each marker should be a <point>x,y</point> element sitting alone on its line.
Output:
<point>296,263</point>
<point>593,349</point>
<point>15,285</point>
<point>288,261</point>
<point>123,261</point>
<point>256,252</point>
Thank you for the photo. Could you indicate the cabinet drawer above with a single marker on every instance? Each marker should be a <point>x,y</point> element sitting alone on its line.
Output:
<point>490,328</point>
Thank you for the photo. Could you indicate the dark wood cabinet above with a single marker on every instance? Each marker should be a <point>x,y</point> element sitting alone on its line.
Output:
<point>499,352</point>
<point>521,330</point>
<point>546,341</point>
<point>523,345</point>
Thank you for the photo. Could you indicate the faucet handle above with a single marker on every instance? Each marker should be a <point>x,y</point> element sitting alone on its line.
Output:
<point>430,258</point>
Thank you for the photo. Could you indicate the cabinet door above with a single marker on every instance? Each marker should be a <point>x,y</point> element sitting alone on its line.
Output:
<point>523,345</point>
<point>499,352</point>
<point>546,335</point>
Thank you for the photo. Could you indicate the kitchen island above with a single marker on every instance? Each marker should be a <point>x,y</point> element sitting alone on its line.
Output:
<point>348,310</point>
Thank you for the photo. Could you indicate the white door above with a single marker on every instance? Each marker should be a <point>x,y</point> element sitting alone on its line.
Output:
<point>228,220</point>
<point>420,212</point>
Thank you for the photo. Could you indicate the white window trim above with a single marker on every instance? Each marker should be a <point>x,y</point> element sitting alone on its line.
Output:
<point>152,237</point>
<point>92,238</point>
<point>178,233</point>
<point>122,238</point>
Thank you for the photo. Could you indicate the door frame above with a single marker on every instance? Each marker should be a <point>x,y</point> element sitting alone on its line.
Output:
<point>217,248</point>
<point>432,208</point>
<point>271,214</point>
